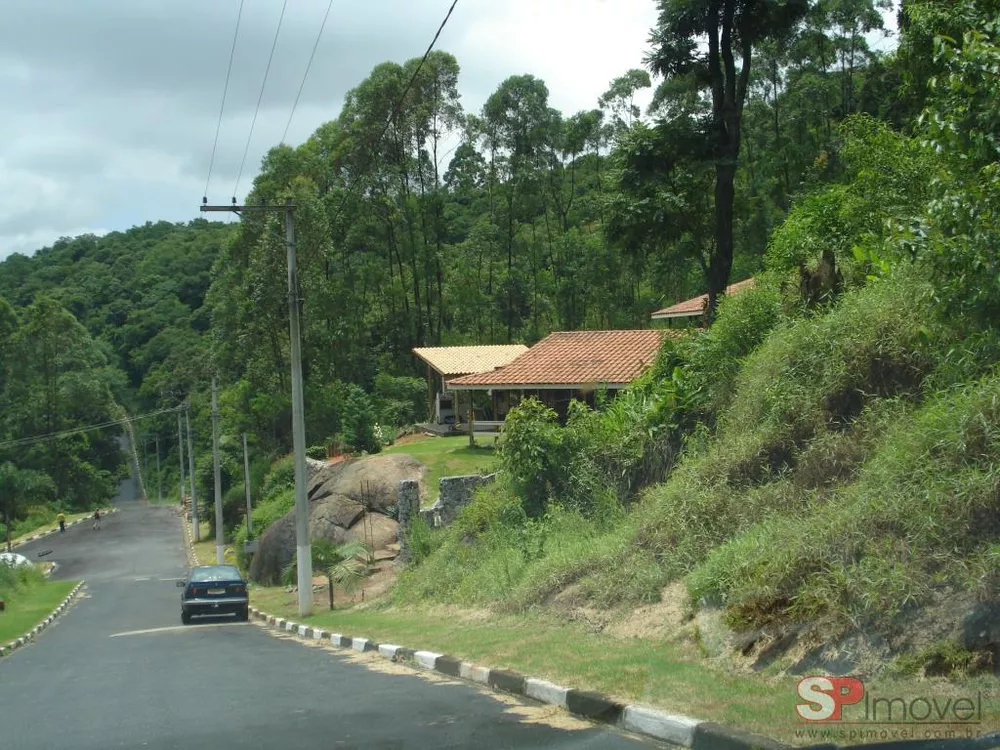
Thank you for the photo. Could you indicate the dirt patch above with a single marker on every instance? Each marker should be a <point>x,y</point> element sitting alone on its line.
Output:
<point>413,437</point>
<point>658,620</point>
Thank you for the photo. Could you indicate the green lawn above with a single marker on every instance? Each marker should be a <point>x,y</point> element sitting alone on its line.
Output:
<point>445,457</point>
<point>28,606</point>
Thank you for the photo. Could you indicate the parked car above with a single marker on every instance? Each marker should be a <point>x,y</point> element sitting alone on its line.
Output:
<point>214,590</point>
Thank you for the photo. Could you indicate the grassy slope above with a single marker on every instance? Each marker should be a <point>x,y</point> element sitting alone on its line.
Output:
<point>27,606</point>
<point>445,457</point>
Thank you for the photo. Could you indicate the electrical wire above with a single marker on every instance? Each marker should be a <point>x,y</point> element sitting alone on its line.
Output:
<point>395,111</point>
<point>222,107</point>
<point>88,428</point>
<point>413,78</point>
<point>302,85</point>
<point>260,98</point>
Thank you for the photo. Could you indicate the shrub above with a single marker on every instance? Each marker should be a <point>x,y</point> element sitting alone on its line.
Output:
<point>359,421</point>
<point>400,401</point>
<point>317,452</point>
<point>532,453</point>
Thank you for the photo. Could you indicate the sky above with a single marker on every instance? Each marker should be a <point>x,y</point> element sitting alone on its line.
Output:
<point>110,107</point>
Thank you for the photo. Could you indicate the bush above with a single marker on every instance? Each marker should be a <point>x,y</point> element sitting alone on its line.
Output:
<point>533,455</point>
<point>400,401</point>
<point>318,452</point>
<point>359,421</point>
<point>279,478</point>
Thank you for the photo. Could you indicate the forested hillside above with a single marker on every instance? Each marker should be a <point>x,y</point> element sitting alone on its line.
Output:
<point>811,482</point>
<point>426,223</point>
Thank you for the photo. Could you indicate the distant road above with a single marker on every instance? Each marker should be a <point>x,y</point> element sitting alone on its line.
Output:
<point>92,682</point>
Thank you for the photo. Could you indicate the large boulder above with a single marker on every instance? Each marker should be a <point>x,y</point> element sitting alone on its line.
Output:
<point>371,480</point>
<point>338,497</point>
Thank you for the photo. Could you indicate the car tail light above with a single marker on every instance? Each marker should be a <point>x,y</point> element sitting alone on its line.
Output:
<point>238,589</point>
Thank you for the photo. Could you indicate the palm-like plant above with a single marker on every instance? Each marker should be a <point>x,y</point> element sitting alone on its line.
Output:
<point>340,564</point>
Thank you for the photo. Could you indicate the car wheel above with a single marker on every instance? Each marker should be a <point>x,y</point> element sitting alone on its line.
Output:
<point>185,618</point>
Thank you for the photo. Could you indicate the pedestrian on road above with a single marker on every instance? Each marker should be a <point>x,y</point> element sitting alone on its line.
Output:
<point>97,519</point>
<point>62,522</point>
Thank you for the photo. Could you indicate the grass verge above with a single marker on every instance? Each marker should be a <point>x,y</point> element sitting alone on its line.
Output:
<point>645,671</point>
<point>28,604</point>
<point>446,457</point>
<point>26,529</point>
<point>671,676</point>
<point>204,551</point>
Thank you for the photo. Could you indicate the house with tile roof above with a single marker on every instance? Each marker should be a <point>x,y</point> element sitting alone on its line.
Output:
<point>444,363</point>
<point>694,308</point>
<point>567,365</point>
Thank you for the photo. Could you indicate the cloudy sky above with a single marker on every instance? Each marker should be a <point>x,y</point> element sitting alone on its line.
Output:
<point>110,106</point>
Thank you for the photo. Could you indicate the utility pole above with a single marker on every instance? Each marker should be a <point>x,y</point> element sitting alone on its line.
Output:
<point>246,483</point>
<point>220,542</point>
<point>145,461</point>
<point>194,497</point>
<point>303,549</point>
<point>159,479</point>
<point>180,453</point>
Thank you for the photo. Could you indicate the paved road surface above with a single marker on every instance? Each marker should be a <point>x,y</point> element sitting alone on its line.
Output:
<point>85,686</point>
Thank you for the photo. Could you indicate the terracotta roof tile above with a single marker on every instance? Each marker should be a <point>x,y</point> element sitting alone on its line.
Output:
<point>576,358</point>
<point>464,360</point>
<point>696,306</point>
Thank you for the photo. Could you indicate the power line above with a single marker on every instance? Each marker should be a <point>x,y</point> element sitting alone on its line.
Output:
<point>260,98</point>
<point>88,428</point>
<point>413,78</point>
<point>302,85</point>
<point>222,107</point>
<point>395,110</point>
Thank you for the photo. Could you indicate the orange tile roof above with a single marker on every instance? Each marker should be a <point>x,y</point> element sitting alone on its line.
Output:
<point>696,306</point>
<point>575,358</point>
<point>465,360</point>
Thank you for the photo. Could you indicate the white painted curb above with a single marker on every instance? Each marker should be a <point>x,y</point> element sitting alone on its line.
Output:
<point>672,728</point>
<point>426,658</point>
<point>546,692</point>
<point>473,673</point>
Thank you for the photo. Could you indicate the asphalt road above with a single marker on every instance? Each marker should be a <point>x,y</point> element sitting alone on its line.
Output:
<point>91,682</point>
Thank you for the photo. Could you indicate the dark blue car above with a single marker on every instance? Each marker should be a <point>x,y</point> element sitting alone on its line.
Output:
<point>214,590</point>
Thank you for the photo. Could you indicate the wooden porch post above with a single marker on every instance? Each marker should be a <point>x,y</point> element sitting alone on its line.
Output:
<point>472,423</point>
<point>430,395</point>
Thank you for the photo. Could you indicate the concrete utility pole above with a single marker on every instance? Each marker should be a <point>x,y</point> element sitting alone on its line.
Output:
<point>145,461</point>
<point>194,497</point>
<point>246,483</point>
<point>220,542</point>
<point>159,479</point>
<point>303,549</point>
<point>180,453</point>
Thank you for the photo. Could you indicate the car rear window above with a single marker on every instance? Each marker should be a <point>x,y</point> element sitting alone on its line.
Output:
<point>216,573</point>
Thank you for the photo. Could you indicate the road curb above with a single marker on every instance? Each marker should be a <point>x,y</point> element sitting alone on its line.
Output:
<point>32,634</point>
<point>50,532</point>
<point>643,720</point>
<point>189,543</point>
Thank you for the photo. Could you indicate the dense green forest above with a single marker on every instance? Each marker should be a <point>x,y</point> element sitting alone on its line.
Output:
<point>786,149</point>
<point>821,464</point>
